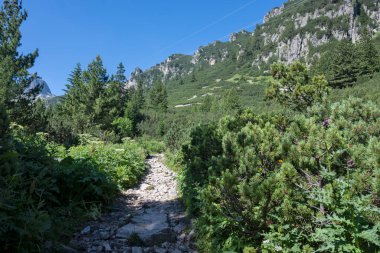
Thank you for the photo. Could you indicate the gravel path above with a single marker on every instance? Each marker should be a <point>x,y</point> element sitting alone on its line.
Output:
<point>148,218</point>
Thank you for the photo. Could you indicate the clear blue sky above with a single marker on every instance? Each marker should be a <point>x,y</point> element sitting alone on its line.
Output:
<point>136,32</point>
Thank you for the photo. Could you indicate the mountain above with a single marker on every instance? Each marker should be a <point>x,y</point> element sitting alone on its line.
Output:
<point>45,92</point>
<point>299,29</point>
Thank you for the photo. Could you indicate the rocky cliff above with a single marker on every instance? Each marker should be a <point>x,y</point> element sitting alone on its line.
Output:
<point>296,30</point>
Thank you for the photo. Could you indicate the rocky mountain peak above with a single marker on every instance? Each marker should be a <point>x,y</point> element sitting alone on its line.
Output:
<point>45,91</point>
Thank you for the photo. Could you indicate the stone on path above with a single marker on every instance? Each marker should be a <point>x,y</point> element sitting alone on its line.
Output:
<point>148,218</point>
<point>152,227</point>
<point>137,250</point>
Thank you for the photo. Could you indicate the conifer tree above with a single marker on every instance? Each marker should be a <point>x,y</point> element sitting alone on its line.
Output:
<point>95,79</point>
<point>231,100</point>
<point>181,82</point>
<point>14,76</point>
<point>345,68</point>
<point>369,59</point>
<point>4,124</point>
<point>193,77</point>
<point>112,101</point>
<point>132,113</point>
<point>159,97</point>
<point>294,87</point>
<point>73,106</point>
<point>120,74</point>
<point>138,95</point>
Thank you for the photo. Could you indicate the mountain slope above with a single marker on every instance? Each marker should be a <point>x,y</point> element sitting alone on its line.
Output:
<point>300,29</point>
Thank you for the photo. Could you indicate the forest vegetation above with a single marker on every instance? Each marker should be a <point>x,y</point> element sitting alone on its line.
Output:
<point>286,160</point>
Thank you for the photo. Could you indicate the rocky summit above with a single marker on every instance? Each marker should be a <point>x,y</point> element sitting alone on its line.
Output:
<point>45,91</point>
<point>148,218</point>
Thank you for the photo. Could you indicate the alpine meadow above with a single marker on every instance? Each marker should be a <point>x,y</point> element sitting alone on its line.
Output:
<point>266,142</point>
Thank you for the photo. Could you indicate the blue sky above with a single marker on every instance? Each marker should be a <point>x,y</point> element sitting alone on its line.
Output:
<point>136,32</point>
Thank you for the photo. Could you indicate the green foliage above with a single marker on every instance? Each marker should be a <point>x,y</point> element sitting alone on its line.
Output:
<point>294,87</point>
<point>124,163</point>
<point>344,68</point>
<point>198,155</point>
<point>347,63</point>
<point>44,193</point>
<point>96,105</point>
<point>151,146</point>
<point>4,123</point>
<point>14,76</point>
<point>231,100</point>
<point>120,74</point>
<point>45,190</point>
<point>159,97</point>
<point>369,57</point>
<point>308,183</point>
<point>124,126</point>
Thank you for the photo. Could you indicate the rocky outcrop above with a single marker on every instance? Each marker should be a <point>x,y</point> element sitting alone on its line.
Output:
<point>132,82</point>
<point>173,67</point>
<point>41,86</point>
<point>299,45</point>
<point>273,13</point>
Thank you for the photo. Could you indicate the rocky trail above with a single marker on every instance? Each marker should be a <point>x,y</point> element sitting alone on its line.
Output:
<point>148,218</point>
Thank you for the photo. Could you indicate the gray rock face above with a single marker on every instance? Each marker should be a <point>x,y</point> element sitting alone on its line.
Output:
<point>273,13</point>
<point>45,91</point>
<point>132,82</point>
<point>299,45</point>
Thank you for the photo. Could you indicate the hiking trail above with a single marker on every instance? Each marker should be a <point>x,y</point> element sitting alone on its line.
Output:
<point>149,218</point>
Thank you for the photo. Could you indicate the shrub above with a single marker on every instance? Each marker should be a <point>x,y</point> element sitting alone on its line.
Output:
<point>270,184</point>
<point>45,191</point>
<point>124,163</point>
<point>150,145</point>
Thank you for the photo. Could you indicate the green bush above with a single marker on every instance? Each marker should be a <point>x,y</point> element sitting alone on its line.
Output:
<point>308,183</point>
<point>124,163</point>
<point>45,190</point>
<point>150,145</point>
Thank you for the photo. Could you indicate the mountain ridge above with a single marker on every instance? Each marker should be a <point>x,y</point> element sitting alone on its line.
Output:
<point>297,30</point>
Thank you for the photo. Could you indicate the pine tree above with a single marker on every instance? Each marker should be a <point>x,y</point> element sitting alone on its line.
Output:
<point>159,97</point>
<point>73,107</point>
<point>120,74</point>
<point>39,117</point>
<point>345,66</point>
<point>231,100</point>
<point>369,59</point>
<point>4,124</point>
<point>193,77</point>
<point>138,95</point>
<point>96,80</point>
<point>14,76</point>
<point>181,82</point>
<point>294,87</point>
<point>75,80</point>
